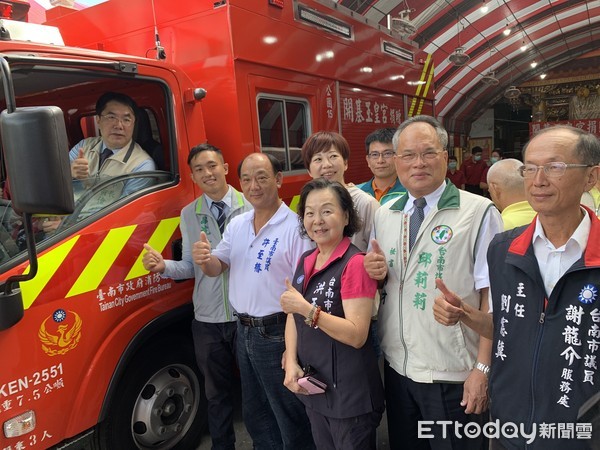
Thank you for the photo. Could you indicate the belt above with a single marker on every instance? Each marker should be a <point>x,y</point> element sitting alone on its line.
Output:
<point>273,319</point>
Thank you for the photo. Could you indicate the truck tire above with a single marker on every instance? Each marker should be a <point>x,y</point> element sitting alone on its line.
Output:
<point>159,402</point>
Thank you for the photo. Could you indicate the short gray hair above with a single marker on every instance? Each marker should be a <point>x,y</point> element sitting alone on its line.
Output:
<point>587,146</point>
<point>439,129</point>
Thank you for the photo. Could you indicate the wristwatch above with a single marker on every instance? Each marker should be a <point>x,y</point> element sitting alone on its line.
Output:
<point>483,368</point>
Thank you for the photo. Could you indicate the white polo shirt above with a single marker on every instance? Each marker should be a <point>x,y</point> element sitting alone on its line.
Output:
<point>259,263</point>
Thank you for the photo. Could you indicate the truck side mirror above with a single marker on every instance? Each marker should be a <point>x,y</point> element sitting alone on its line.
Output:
<point>35,145</point>
<point>36,148</point>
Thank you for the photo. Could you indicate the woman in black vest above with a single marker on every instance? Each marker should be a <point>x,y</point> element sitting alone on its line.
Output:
<point>331,298</point>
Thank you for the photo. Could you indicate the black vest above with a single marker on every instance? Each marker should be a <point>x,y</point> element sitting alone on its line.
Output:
<point>352,376</point>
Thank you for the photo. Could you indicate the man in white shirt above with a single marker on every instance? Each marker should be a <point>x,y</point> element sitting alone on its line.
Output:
<point>261,248</point>
<point>434,231</point>
<point>545,283</point>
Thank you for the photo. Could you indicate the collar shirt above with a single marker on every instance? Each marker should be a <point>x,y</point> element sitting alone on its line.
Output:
<point>226,200</point>
<point>260,262</point>
<point>492,224</point>
<point>431,199</point>
<point>554,262</point>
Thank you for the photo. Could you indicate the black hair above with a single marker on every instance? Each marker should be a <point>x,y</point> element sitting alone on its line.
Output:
<point>344,198</point>
<point>275,164</point>
<point>383,135</point>
<point>203,148</point>
<point>115,97</point>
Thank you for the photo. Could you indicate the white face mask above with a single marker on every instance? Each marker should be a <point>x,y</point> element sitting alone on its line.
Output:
<point>476,157</point>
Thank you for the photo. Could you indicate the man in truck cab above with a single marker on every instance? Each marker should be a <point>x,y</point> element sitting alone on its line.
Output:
<point>114,152</point>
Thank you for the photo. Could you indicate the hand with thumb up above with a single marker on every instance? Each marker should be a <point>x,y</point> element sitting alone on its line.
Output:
<point>375,263</point>
<point>292,301</point>
<point>152,260</point>
<point>80,167</point>
<point>447,307</point>
<point>201,250</point>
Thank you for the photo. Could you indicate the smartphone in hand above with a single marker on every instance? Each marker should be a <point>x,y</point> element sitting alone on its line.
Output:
<point>312,385</point>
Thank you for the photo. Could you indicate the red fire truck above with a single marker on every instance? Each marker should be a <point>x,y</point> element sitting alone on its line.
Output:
<point>96,352</point>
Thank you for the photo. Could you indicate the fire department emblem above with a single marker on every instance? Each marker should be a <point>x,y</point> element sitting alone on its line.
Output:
<point>60,332</point>
<point>441,234</point>
<point>588,294</point>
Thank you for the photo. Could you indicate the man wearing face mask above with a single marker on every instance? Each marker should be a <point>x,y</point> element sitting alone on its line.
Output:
<point>496,156</point>
<point>473,169</point>
<point>453,174</point>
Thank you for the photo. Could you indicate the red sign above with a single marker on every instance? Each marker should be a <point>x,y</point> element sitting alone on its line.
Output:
<point>589,125</point>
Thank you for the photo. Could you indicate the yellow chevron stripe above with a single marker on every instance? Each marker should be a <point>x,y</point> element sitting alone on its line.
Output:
<point>48,264</point>
<point>158,241</point>
<point>102,261</point>
<point>294,203</point>
<point>415,100</point>
<point>426,90</point>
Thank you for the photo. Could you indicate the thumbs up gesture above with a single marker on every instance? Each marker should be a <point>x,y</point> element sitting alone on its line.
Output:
<point>80,167</point>
<point>447,307</point>
<point>201,250</point>
<point>152,260</point>
<point>292,301</point>
<point>375,263</point>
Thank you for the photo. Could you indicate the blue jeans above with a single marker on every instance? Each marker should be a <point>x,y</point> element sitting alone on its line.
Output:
<point>274,417</point>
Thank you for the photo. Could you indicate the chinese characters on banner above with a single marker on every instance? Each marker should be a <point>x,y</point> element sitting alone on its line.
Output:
<point>589,125</point>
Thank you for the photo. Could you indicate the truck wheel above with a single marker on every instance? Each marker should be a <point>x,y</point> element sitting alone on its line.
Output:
<point>159,403</point>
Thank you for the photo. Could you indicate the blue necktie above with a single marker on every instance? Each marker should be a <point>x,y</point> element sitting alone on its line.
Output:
<point>416,220</point>
<point>219,213</point>
<point>106,153</point>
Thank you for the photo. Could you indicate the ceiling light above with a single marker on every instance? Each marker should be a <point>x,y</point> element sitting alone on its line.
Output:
<point>484,8</point>
<point>506,31</point>
<point>524,46</point>
<point>366,69</point>
<point>542,76</point>
<point>459,57</point>
<point>533,65</point>
<point>490,79</point>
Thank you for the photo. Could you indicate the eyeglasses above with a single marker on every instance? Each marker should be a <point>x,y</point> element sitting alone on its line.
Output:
<point>388,154</point>
<point>551,170</point>
<point>411,156</point>
<point>112,119</point>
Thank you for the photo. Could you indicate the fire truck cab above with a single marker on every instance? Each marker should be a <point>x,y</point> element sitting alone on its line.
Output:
<point>100,354</point>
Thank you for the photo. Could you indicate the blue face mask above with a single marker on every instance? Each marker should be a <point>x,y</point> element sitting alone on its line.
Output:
<point>493,159</point>
<point>452,165</point>
<point>476,157</point>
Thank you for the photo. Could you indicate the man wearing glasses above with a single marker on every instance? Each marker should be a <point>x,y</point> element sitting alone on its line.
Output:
<point>432,373</point>
<point>544,285</point>
<point>114,152</point>
<point>385,184</point>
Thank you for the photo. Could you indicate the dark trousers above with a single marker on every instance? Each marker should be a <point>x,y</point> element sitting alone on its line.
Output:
<point>408,402</point>
<point>353,433</point>
<point>214,344</point>
<point>273,415</point>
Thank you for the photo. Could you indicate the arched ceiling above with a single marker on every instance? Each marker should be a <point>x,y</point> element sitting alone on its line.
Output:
<point>554,32</point>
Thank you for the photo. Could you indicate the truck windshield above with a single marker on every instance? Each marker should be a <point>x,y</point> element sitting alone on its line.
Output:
<point>76,90</point>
